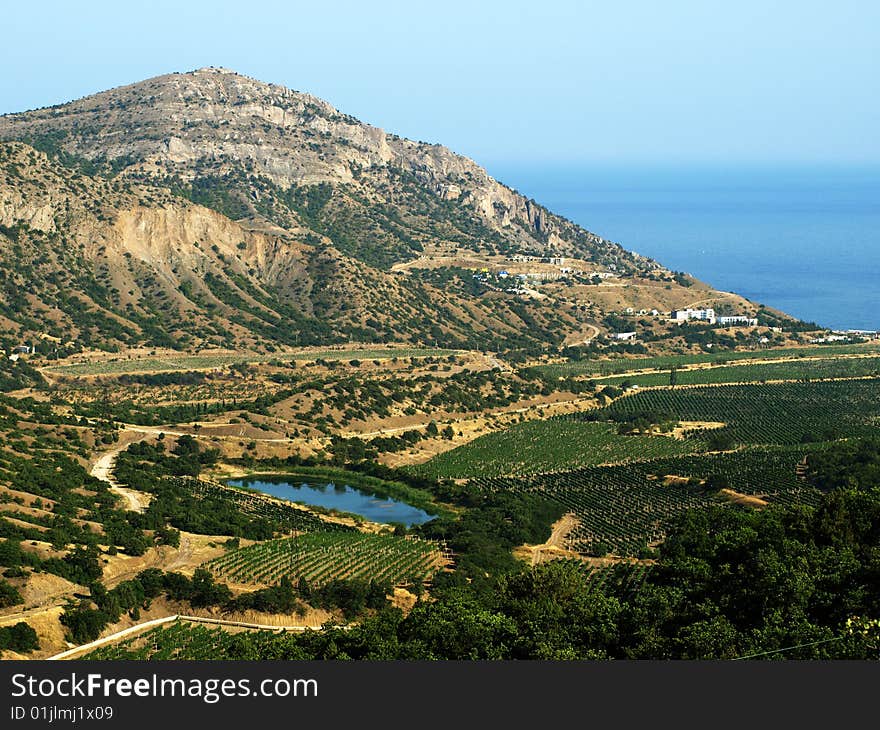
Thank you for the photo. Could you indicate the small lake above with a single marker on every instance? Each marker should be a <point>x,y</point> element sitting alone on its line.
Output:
<point>340,497</point>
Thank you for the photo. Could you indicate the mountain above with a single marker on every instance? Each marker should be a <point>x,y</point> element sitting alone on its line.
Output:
<point>208,208</point>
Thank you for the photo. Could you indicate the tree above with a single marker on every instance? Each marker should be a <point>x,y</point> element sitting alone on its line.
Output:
<point>720,441</point>
<point>84,623</point>
<point>205,591</point>
<point>20,638</point>
<point>9,595</point>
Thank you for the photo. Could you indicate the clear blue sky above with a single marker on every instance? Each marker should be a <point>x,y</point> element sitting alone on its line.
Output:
<point>539,81</point>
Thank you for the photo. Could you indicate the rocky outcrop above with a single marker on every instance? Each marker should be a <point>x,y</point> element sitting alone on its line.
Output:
<point>214,122</point>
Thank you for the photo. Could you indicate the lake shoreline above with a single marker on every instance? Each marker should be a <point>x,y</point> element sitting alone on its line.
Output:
<point>338,491</point>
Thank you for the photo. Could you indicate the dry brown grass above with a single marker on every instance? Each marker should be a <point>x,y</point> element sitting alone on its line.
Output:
<point>747,500</point>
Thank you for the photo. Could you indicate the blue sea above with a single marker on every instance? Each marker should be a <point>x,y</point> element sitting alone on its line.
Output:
<point>805,240</point>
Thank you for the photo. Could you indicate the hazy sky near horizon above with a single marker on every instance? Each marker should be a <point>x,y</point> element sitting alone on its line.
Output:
<point>632,81</point>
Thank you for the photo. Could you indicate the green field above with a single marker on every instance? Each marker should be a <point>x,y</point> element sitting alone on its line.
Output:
<point>186,641</point>
<point>321,558</point>
<point>629,504</point>
<point>777,413</point>
<point>623,509</point>
<point>211,362</point>
<point>840,367</point>
<point>664,362</point>
<point>552,445</point>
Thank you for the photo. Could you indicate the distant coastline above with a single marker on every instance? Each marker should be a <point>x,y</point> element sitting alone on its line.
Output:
<point>804,239</point>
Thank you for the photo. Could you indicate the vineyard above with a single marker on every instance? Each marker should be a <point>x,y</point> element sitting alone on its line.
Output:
<point>186,641</point>
<point>627,490</point>
<point>775,413</point>
<point>148,365</point>
<point>624,509</point>
<point>622,579</point>
<point>212,362</point>
<point>370,353</point>
<point>850,367</point>
<point>550,445</point>
<point>664,362</point>
<point>781,413</point>
<point>321,558</point>
<point>258,505</point>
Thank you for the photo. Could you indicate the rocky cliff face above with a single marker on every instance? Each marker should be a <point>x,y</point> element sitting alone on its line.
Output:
<point>109,263</point>
<point>218,126</point>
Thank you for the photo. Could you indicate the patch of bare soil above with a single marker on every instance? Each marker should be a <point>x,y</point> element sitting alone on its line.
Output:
<point>41,588</point>
<point>43,549</point>
<point>555,547</point>
<point>26,525</point>
<point>26,497</point>
<point>674,480</point>
<point>192,552</point>
<point>314,617</point>
<point>404,600</point>
<point>12,508</point>
<point>685,427</point>
<point>749,500</point>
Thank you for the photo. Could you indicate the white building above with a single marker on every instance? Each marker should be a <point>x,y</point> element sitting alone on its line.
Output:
<point>702,315</point>
<point>624,335</point>
<point>737,321</point>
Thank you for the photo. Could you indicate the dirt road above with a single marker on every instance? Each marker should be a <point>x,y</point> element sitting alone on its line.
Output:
<point>582,338</point>
<point>555,545</point>
<point>153,623</point>
<point>103,469</point>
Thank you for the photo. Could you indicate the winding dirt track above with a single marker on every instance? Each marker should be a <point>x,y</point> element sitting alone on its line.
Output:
<point>103,470</point>
<point>555,545</point>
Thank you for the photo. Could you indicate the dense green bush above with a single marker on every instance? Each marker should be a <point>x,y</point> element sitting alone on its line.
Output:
<point>19,638</point>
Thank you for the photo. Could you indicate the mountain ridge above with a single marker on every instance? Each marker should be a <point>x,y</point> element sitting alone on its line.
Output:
<point>321,229</point>
<point>188,123</point>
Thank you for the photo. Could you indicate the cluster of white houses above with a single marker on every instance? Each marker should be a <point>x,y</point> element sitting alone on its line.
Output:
<point>708,315</point>
<point>699,315</point>
<point>529,258</point>
<point>846,336</point>
<point>563,270</point>
<point>686,315</point>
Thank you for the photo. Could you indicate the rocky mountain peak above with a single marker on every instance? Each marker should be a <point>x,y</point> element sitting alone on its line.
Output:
<point>253,150</point>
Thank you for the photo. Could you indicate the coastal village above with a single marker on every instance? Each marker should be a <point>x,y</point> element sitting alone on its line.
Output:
<point>525,275</point>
